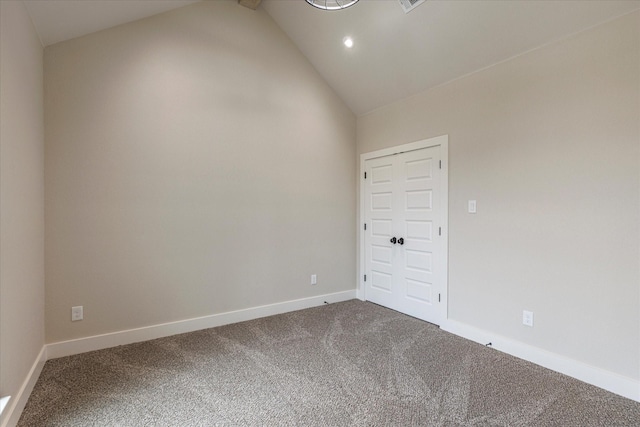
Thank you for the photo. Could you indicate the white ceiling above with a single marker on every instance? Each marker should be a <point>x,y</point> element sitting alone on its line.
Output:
<point>396,55</point>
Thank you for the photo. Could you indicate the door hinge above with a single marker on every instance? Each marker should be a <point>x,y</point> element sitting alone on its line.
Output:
<point>440,164</point>
<point>365,277</point>
<point>365,175</point>
<point>438,297</point>
<point>439,231</point>
<point>365,225</point>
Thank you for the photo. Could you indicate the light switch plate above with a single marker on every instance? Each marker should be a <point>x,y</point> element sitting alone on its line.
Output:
<point>527,318</point>
<point>472,206</point>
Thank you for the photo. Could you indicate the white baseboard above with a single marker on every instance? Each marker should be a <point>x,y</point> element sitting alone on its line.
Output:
<point>16,404</point>
<point>99,342</point>
<point>615,383</point>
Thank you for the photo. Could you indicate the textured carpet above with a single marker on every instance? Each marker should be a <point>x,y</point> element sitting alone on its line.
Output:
<point>344,364</point>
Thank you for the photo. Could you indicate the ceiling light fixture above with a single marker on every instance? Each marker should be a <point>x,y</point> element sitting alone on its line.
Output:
<point>332,4</point>
<point>348,42</point>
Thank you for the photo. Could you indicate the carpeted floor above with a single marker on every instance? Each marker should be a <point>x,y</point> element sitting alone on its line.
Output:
<point>345,364</point>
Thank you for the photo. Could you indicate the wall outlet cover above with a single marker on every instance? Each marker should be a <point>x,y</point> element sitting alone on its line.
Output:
<point>77,313</point>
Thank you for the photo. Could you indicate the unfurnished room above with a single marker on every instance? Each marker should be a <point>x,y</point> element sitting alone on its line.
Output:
<point>319,213</point>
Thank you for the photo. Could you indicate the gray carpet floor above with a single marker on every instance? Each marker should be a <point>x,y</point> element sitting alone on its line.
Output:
<point>344,364</point>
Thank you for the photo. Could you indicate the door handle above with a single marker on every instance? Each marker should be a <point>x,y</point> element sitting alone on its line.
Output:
<point>401,241</point>
<point>393,240</point>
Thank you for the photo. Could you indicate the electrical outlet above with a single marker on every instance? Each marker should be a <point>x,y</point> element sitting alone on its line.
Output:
<point>314,279</point>
<point>76,313</point>
<point>527,318</point>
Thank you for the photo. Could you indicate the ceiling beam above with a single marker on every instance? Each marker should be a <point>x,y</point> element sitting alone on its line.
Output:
<point>251,4</point>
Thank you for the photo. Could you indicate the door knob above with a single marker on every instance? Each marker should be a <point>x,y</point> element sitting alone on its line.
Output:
<point>393,240</point>
<point>401,241</point>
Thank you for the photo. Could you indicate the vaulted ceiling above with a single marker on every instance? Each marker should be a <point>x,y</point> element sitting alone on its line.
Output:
<point>395,55</point>
<point>60,20</point>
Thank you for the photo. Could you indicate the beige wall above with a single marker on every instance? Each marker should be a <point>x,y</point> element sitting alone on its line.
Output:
<point>196,163</point>
<point>21,197</point>
<point>548,144</point>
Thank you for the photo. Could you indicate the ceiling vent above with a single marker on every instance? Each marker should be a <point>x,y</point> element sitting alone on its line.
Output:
<point>409,5</point>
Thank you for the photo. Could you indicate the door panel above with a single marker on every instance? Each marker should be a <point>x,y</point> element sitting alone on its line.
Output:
<point>420,188</point>
<point>418,291</point>
<point>380,256</point>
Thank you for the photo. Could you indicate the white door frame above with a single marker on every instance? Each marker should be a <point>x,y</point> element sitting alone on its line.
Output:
<point>443,142</point>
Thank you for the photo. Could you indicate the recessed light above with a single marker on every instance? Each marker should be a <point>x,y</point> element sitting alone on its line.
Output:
<point>348,42</point>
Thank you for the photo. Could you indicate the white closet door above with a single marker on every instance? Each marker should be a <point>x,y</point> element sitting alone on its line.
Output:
<point>401,252</point>
<point>380,253</point>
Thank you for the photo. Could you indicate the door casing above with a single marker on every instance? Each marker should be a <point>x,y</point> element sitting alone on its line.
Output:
<point>443,142</point>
